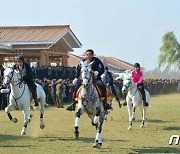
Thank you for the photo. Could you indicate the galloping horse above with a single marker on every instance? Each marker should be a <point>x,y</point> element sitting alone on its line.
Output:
<point>89,102</point>
<point>134,99</point>
<point>21,98</point>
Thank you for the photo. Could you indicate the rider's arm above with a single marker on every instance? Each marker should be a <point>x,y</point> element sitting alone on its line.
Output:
<point>100,68</point>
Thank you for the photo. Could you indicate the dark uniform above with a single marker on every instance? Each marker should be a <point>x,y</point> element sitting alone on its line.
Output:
<point>109,82</point>
<point>27,77</point>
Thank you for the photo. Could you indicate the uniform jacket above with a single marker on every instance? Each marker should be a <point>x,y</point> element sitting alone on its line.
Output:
<point>96,66</point>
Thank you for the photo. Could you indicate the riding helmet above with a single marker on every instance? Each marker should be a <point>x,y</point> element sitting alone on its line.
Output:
<point>20,57</point>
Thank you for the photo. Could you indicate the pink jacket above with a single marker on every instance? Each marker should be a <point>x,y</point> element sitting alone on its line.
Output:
<point>137,76</point>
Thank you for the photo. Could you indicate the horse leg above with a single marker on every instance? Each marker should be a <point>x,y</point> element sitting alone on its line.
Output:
<point>98,139</point>
<point>8,109</point>
<point>143,116</point>
<point>133,114</point>
<point>96,117</point>
<point>42,104</point>
<point>130,111</point>
<point>76,126</point>
<point>26,121</point>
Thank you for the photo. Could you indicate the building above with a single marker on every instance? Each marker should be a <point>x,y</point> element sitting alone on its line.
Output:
<point>41,44</point>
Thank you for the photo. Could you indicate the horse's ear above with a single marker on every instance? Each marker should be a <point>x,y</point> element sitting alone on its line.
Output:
<point>4,66</point>
<point>81,62</point>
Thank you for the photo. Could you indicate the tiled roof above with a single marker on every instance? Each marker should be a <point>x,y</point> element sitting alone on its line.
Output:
<point>32,33</point>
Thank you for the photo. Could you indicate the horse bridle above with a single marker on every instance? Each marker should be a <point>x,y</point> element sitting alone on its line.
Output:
<point>128,85</point>
<point>10,78</point>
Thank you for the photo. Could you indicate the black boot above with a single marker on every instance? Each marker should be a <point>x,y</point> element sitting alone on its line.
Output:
<point>125,103</point>
<point>145,103</point>
<point>71,107</point>
<point>34,94</point>
<point>107,106</point>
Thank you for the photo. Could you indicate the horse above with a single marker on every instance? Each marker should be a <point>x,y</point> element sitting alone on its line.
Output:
<point>20,97</point>
<point>89,102</point>
<point>134,99</point>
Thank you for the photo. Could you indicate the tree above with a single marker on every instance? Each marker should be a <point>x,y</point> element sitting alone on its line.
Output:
<point>170,52</point>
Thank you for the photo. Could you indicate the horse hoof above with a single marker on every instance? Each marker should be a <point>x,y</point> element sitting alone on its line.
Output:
<point>130,128</point>
<point>31,115</point>
<point>97,145</point>
<point>23,133</point>
<point>42,126</point>
<point>142,126</point>
<point>76,135</point>
<point>14,120</point>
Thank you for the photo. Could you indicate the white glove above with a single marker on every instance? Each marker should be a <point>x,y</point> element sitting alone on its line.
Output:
<point>75,81</point>
<point>96,73</point>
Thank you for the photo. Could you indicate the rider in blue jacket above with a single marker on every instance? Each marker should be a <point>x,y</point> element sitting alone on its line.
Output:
<point>26,72</point>
<point>98,69</point>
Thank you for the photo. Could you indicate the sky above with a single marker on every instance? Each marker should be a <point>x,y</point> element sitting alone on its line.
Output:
<point>130,30</point>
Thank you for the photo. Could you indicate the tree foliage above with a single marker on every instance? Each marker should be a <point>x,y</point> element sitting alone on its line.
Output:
<point>170,52</point>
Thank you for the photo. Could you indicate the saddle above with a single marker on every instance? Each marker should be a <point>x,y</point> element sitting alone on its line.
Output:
<point>100,93</point>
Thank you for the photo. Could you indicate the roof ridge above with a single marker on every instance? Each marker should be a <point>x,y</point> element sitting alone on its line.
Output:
<point>36,26</point>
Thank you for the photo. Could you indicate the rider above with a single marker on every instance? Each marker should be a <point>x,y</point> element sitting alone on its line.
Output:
<point>98,69</point>
<point>109,81</point>
<point>26,72</point>
<point>137,76</point>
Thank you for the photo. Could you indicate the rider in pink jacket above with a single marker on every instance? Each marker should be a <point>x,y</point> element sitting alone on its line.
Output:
<point>137,76</point>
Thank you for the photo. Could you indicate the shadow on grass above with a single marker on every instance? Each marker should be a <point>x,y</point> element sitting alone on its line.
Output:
<point>10,137</point>
<point>171,128</point>
<point>152,121</point>
<point>157,150</point>
<point>81,139</point>
<point>16,146</point>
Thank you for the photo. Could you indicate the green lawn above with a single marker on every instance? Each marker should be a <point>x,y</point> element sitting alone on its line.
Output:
<point>57,137</point>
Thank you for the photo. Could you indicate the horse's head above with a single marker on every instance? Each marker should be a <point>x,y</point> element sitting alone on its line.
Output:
<point>86,73</point>
<point>128,83</point>
<point>10,75</point>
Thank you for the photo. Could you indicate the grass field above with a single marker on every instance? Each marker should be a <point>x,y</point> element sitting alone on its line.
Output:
<point>57,137</point>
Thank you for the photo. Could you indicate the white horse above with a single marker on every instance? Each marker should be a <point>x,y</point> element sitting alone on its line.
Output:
<point>89,102</point>
<point>20,97</point>
<point>134,99</point>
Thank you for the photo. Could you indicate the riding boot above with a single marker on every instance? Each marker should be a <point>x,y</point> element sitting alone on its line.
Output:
<point>124,98</point>
<point>106,105</point>
<point>144,99</point>
<point>72,107</point>
<point>34,94</point>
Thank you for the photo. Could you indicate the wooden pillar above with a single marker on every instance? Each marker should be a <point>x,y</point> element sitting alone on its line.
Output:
<point>44,58</point>
<point>1,60</point>
<point>65,60</point>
